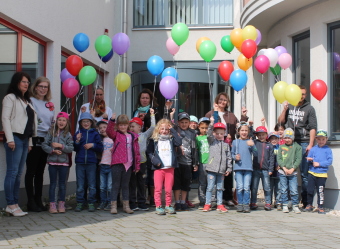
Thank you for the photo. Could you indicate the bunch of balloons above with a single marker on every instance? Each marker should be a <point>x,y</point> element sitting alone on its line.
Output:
<point>284,92</point>
<point>179,34</point>
<point>206,48</point>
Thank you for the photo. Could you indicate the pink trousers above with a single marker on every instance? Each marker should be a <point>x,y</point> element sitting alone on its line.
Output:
<point>163,177</point>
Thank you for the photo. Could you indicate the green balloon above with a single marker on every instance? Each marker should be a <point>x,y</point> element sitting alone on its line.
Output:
<point>180,33</point>
<point>226,44</point>
<point>87,75</point>
<point>276,70</point>
<point>207,50</point>
<point>103,45</point>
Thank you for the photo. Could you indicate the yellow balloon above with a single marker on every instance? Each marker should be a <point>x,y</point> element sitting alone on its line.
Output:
<point>199,41</point>
<point>293,94</point>
<point>122,82</point>
<point>249,32</point>
<point>236,37</point>
<point>244,63</point>
<point>279,91</point>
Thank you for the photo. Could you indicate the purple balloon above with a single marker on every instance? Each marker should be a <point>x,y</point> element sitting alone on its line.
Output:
<point>336,61</point>
<point>168,87</point>
<point>120,43</point>
<point>64,75</point>
<point>259,37</point>
<point>281,50</point>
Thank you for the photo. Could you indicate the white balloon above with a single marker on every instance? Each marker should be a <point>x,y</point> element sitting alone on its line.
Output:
<point>272,56</point>
<point>261,52</point>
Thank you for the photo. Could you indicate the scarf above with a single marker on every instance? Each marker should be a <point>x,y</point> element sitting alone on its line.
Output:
<point>99,109</point>
<point>143,109</point>
<point>163,137</point>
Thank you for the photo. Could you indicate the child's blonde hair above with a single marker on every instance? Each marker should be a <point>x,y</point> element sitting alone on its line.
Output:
<point>155,133</point>
<point>122,119</point>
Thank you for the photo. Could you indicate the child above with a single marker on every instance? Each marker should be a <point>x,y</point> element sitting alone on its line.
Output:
<point>263,167</point>
<point>320,157</point>
<point>162,153</point>
<point>87,142</point>
<point>274,178</point>
<point>193,123</point>
<point>125,159</point>
<point>137,181</point>
<point>289,158</point>
<point>57,144</point>
<point>242,151</point>
<point>105,168</point>
<point>218,165</point>
<point>280,128</point>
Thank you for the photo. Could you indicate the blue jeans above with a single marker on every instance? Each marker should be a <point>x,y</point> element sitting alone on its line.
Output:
<point>88,170</point>
<point>255,180</point>
<point>275,189</point>
<point>15,161</point>
<point>212,179</point>
<point>243,180</point>
<point>105,183</point>
<point>58,172</point>
<point>292,183</point>
<point>304,172</point>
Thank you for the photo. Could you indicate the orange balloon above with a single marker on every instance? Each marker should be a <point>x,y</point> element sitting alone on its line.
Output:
<point>199,41</point>
<point>239,49</point>
<point>236,37</point>
<point>244,63</point>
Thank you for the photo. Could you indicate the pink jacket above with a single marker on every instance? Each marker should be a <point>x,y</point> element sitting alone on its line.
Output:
<point>119,153</point>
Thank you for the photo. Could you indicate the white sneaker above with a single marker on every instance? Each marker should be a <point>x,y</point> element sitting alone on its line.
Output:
<point>285,209</point>
<point>296,209</point>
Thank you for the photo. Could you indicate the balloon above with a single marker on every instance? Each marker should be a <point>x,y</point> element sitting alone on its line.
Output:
<point>236,37</point>
<point>272,56</point>
<point>103,45</point>
<point>293,94</point>
<point>262,64</point>
<point>81,42</point>
<point>285,60</point>
<point>70,88</point>
<point>318,89</point>
<point>336,61</point>
<point>64,75</point>
<point>259,37</point>
<point>280,50</point>
<point>199,42</point>
<point>87,75</point>
<point>276,70</point>
<point>207,50</point>
<point>122,82</point>
<point>180,33</point>
<point>168,87</point>
<point>74,64</point>
<point>170,71</point>
<point>171,46</point>
<point>249,32</point>
<point>279,91</point>
<point>225,68</point>
<point>226,44</point>
<point>238,79</point>
<point>261,52</point>
<point>244,63</point>
<point>107,57</point>
<point>249,48</point>
<point>120,43</point>
<point>155,65</point>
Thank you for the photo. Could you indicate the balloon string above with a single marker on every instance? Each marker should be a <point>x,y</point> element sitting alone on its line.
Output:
<point>80,93</point>
<point>65,104</point>
<point>154,89</point>
<point>116,92</point>
<point>209,82</point>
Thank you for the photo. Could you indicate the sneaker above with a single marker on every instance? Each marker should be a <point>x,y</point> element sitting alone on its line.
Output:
<point>246,209</point>
<point>101,206</point>
<point>160,211</point>
<point>285,209</point>
<point>278,207</point>
<point>222,209</point>
<point>190,205</point>
<point>321,210</point>
<point>206,208</point>
<point>53,208</point>
<point>253,206</point>
<point>107,207</point>
<point>296,209</point>
<point>178,207</point>
<point>91,207</point>
<point>143,207</point>
<point>309,208</point>
<point>133,206</point>
<point>61,207</point>
<point>170,210</point>
<point>267,207</point>
<point>239,208</point>
<point>230,203</point>
<point>79,207</point>
<point>184,207</point>
<point>200,206</point>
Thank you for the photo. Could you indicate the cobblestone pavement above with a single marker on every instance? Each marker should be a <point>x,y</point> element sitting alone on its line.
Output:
<point>192,229</point>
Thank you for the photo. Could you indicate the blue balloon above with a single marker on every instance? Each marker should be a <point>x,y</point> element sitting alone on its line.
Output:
<point>81,42</point>
<point>170,71</point>
<point>107,57</point>
<point>238,79</point>
<point>155,65</point>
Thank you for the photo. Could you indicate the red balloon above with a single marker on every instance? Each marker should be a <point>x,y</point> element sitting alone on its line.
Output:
<point>225,69</point>
<point>318,89</point>
<point>249,48</point>
<point>70,88</point>
<point>74,64</point>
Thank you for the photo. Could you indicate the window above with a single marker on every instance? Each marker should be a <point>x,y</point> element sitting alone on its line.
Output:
<point>165,13</point>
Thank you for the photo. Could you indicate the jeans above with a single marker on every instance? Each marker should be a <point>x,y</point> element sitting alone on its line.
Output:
<point>163,177</point>
<point>137,185</point>
<point>58,172</point>
<point>243,180</point>
<point>291,183</point>
<point>105,182</point>
<point>15,161</point>
<point>88,171</point>
<point>202,185</point>
<point>255,180</point>
<point>120,181</point>
<point>212,179</point>
<point>304,172</point>
<point>275,189</point>
<point>318,183</point>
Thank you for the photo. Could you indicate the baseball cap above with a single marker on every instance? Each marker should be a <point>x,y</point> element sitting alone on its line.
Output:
<point>321,133</point>
<point>193,119</point>
<point>273,134</point>
<point>219,126</point>
<point>63,115</point>
<point>204,119</point>
<point>261,129</point>
<point>103,121</point>
<point>288,133</point>
<point>183,115</point>
<point>137,121</point>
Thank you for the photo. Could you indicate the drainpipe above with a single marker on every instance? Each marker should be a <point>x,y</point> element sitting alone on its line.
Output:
<point>124,57</point>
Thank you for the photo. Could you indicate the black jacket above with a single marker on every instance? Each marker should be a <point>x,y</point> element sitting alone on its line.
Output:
<point>265,158</point>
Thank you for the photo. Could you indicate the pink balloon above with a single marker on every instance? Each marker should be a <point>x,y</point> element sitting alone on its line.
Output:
<point>262,64</point>
<point>285,60</point>
<point>259,37</point>
<point>70,88</point>
<point>171,46</point>
<point>168,87</point>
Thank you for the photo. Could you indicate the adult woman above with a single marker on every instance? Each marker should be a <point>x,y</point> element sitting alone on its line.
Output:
<point>19,123</point>
<point>36,158</point>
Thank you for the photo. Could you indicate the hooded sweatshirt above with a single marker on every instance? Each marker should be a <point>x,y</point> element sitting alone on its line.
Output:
<point>264,160</point>
<point>289,156</point>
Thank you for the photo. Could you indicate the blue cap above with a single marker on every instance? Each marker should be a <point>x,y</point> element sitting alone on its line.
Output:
<point>204,119</point>
<point>85,115</point>
<point>193,119</point>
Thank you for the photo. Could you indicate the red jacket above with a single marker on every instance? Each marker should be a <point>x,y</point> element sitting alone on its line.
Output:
<point>119,153</point>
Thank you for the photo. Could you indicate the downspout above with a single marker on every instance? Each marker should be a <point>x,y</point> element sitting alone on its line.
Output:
<point>124,57</point>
